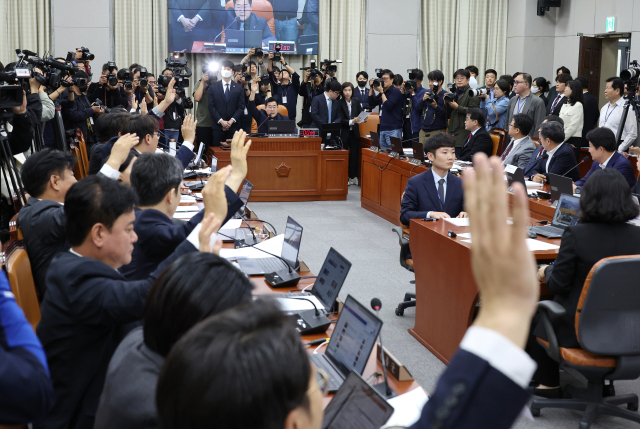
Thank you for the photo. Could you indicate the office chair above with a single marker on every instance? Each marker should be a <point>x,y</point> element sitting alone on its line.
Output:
<point>407,264</point>
<point>18,269</point>
<point>606,323</point>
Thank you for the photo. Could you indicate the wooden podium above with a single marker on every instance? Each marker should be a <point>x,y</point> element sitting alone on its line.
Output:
<point>292,169</point>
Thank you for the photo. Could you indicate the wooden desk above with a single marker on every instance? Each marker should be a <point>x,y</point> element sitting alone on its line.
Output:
<point>293,169</point>
<point>446,292</point>
<point>383,181</point>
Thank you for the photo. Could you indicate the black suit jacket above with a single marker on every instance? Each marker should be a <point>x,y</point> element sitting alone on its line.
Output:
<point>320,111</point>
<point>220,108</point>
<point>86,304</point>
<point>581,247</point>
<point>561,162</point>
<point>481,142</point>
<point>344,112</point>
<point>253,23</point>
<point>44,226</point>
<point>591,116</point>
<point>363,95</point>
<point>556,111</point>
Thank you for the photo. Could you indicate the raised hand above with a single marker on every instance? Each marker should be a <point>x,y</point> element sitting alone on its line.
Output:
<point>213,195</point>
<point>210,225</point>
<point>239,149</point>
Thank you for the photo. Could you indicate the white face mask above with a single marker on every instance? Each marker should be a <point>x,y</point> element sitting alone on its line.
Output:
<point>226,74</point>
<point>535,89</point>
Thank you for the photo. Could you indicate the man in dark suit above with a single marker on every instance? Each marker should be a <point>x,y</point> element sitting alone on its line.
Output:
<point>603,150</point>
<point>88,300</point>
<point>362,92</point>
<point>556,104</point>
<point>47,175</point>
<point>320,106</point>
<point>526,103</point>
<point>591,111</point>
<point>241,17</point>
<point>484,386</point>
<point>560,158</point>
<point>226,105</point>
<point>479,139</point>
<point>539,153</point>
<point>552,91</point>
<point>191,20</point>
<point>269,113</point>
<point>436,193</point>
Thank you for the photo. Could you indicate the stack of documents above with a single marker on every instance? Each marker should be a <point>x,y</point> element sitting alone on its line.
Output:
<point>272,245</point>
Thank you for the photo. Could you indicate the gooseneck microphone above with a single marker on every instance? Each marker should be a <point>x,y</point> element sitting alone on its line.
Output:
<point>586,158</point>
<point>233,22</point>
<point>384,389</point>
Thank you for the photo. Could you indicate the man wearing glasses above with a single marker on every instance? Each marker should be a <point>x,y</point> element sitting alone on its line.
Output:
<point>526,103</point>
<point>242,18</point>
<point>270,112</point>
<point>458,109</point>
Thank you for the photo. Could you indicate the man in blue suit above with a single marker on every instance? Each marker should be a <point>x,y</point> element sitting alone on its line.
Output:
<point>226,104</point>
<point>241,17</point>
<point>538,154</point>
<point>604,151</point>
<point>560,158</point>
<point>484,386</point>
<point>320,106</point>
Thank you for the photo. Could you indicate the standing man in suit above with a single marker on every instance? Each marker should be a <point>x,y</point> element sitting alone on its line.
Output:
<point>479,138</point>
<point>391,103</point>
<point>325,108</point>
<point>591,111</point>
<point>241,17</point>
<point>226,104</point>
<point>519,151</point>
<point>458,109</point>
<point>602,147</point>
<point>526,103</point>
<point>560,155</point>
<point>552,91</point>
<point>560,100</point>
<point>362,92</point>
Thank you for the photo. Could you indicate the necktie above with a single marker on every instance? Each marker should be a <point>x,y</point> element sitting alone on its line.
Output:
<point>468,141</point>
<point>226,91</point>
<point>555,102</point>
<point>329,107</point>
<point>506,152</point>
<point>441,194</point>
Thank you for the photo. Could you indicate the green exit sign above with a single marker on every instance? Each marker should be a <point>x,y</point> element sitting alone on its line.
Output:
<point>611,24</point>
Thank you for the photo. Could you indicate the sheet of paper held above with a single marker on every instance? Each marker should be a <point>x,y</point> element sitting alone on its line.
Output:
<point>407,408</point>
<point>533,244</point>
<point>272,245</point>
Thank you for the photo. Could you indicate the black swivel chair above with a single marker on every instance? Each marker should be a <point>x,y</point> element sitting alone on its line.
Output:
<point>607,324</point>
<point>409,298</point>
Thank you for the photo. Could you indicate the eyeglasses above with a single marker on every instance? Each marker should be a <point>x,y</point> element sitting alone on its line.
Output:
<point>322,383</point>
<point>518,82</point>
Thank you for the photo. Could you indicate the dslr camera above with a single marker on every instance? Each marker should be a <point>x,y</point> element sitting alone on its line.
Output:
<point>277,55</point>
<point>478,92</point>
<point>449,97</point>
<point>86,55</point>
<point>143,78</point>
<point>259,52</point>
<point>378,81</point>
<point>246,76</point>
<point>412,73</point>
<point>99,103</point>
<point>126,77</point>
<point>410,85</point>
<point>112,78</point>
<point>210,69</point>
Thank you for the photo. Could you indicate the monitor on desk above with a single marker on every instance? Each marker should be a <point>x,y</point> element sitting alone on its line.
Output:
<point>418,151</point>
<point>329,132</point>
<point>287,128</point>
<point>396,145</point>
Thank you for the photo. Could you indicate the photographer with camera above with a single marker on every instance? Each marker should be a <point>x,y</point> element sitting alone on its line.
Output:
<point>264,91</point>
<point>173,116</point>
<point>458,103</point>
<point>253,67</point>
<point>106,89</point>
<point>34,104</point>
<point>495,108</point>
<point>78,111</point>
<point>413,87</point>
<point>433,113</point>
<point>141,85</point>
<point>490,77</point>
<point>226,105</point>
<point>390,101</point>
<point>285,91</point>
<point>204,132</point>
<point>310,88</point>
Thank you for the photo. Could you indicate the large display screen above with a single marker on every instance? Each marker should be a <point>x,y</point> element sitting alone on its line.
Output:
<point>236,26</point>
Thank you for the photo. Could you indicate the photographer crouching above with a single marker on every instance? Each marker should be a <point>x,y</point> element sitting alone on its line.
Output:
<point>391,103</point>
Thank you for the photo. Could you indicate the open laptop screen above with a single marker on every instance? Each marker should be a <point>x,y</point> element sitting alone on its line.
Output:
<point>292,239</point>
<point>353,337</point>
<point>567,211</point>
<point>331,278</point>
<point>245,192</point>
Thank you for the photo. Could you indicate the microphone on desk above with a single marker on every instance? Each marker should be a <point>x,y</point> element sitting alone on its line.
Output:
<point>282,278</point>
<point>586,158</point>
<point>311,321</point>
<point>253,234</point>
<point>383,388</point>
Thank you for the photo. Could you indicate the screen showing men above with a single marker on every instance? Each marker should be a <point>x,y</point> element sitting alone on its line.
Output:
<point>236,26</point>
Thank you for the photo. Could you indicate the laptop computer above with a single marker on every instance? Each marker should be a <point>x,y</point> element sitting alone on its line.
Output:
<point>245,193</point>
<point>418,151</point>
<point>375,139</point>
<point>327,286</point>
<point>351,343</point>
<point>356,401</point>
<point>559,185</point>
<point>396,145</point>
<point>566,215</point>
<point>282,128</point>
<point>240,41</point>
<point>290,250</point>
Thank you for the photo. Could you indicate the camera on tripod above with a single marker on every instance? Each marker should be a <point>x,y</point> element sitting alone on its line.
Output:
<point>478,92</point>
<point>630,77</point>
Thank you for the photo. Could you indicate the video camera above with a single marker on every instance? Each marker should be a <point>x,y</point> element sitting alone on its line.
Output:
<point>329,66</point>
<point>630,77</point>
<point>313,71</point>
<point>181,73</point>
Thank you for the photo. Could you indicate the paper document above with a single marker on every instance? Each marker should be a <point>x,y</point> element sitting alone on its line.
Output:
<point>363,115</point>
<point>465,235</point>
<point>232,224</point>
<point>458,221</point>
<point>534,245</point>
<point>272,245</point>
<point>187,199</point>
<point>407,408</point>
<point>180,209</point>
<point>531,184</point>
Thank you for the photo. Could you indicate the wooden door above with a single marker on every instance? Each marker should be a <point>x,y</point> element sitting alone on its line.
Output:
<point>589,63</point>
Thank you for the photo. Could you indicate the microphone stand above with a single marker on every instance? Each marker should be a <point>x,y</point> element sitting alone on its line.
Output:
<point>383,388</point>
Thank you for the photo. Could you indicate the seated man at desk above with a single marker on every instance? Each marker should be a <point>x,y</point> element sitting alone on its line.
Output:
<point>560,159</point>
<point>436,193</point>
<point>241,17</point>
<point>538,154</point>
<point>603,150</point>
<point>479,139</point>
<point>519,150</point>
<point>269,113</point>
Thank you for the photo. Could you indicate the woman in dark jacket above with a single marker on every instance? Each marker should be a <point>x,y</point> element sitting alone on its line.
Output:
<point>606,207</point>
<point>351,108</point>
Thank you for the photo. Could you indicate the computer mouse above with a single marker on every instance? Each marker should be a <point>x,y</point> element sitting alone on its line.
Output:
<point>532,234</point>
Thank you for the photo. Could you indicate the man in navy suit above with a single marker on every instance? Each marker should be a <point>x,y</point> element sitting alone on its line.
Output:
<point>362,92</point>
<point>484,386</point>
<point>88,300</point>
<point>560,158</point>
<point>320,106</point>
<point>604,151</point>
<point>226,105</point>
<point>539,153</point>
<point>241,17</point>
<point>269,113</point>
<point>479,140</point>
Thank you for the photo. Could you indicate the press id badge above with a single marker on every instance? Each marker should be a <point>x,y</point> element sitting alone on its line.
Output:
<point>91,120</point>
<point>284,99</point>
<point>246,112</point>
<point>175,116</point>
<point>214,164</point>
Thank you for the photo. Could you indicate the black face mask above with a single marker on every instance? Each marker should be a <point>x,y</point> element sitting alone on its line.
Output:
<point>362,83</point>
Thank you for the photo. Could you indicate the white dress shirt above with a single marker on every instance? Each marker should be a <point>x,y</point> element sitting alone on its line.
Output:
<point>551,153</point>
<point>604,164</point>
<point>610,117</point>
<point>436,179</point>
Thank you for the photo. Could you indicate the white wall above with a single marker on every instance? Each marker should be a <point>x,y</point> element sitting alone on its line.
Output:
<point>95,32</point>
